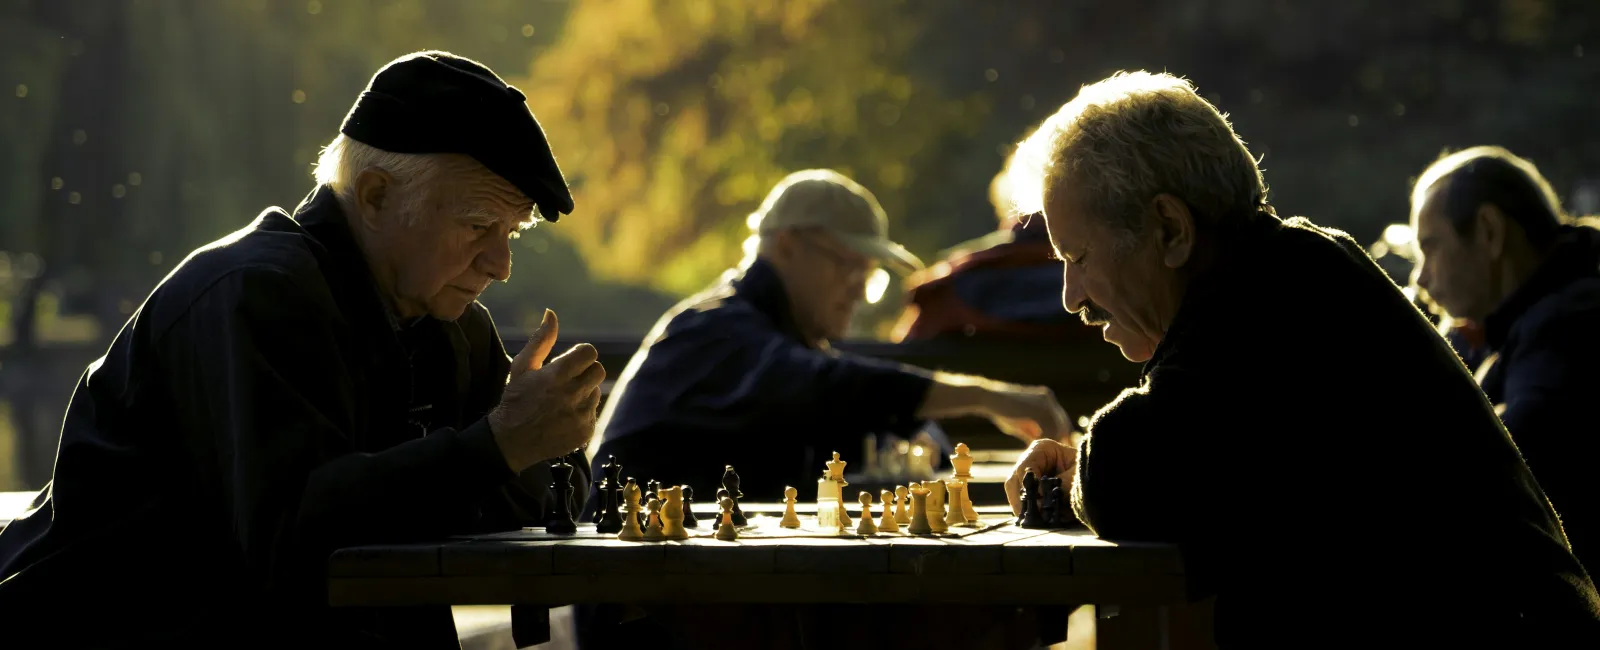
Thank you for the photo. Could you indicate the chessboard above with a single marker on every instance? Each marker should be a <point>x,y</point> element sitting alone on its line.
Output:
<point>760,526</point>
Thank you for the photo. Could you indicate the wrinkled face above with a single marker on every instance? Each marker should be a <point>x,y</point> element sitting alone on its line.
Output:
<point>1455,271</point>
<point>830,282</point>
<point>1127,289</point>
<point>436,254</point>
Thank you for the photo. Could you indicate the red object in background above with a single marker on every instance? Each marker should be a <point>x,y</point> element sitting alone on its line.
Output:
<point>940,306</point>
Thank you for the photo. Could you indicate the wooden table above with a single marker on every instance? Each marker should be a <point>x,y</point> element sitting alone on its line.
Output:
<point>1003,565</point>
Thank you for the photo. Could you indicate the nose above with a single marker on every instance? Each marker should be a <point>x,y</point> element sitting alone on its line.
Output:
<point>1072,295</point>
<point>1419,276</point>
<point>495,259</point>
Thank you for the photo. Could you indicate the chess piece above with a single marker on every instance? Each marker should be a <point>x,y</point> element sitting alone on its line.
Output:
<point>730,480</point>
<point>630,514</point>
<point>830,496</point>
<point>649,493</point>
<point>672,513</point>
<point>866,527</point>
<point>689,520</point>
<point>604,513</point>
<point>936,499</point>
<point>653,527</point>
<point>1049,498</point>
<point>888,524</point>
<point>1031,517</point>
<point>613,472</point>
<point>721,494</point>
<point>790,519</point>
<point>958,489</point>
<point>560,521</point>
<point>962,461</point>
<point>919,511</point>
<point>727,531</point>
<point>1063,517</point>
<point>901,501</point>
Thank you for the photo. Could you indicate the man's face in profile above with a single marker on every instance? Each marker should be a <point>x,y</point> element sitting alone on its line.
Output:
<point>1453,270</point>
<point>1106,281</point>
<point>443,250</point>
<point>826,296</point>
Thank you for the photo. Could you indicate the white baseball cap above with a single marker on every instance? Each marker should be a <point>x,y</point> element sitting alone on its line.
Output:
<point>823,198</point>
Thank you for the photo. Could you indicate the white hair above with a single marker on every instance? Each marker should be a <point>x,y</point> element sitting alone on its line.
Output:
<point>1127,138</point>
<point>345,157</point>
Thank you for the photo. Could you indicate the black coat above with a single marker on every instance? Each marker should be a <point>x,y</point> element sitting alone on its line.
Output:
<point>725,378</point>
<point>258,411</point>
<point>1545,372</point>
<point>1352,486</point>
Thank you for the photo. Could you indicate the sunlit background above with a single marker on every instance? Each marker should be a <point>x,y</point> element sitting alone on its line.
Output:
<point>135,130</point>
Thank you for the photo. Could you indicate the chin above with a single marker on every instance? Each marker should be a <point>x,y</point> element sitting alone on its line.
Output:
<point>448,311</point>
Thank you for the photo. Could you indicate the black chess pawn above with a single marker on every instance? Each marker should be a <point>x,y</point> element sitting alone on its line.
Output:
<point>1049,498</point>
<point>1031,517</point>
<point>1063,516</point>
<point>688,510</point>
<point>717,521</point>
<point>730,481</point>
<point>650,492</point>
<point>560,521</point>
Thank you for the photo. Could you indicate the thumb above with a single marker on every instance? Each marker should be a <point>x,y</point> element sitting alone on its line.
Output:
<point>534,353</point>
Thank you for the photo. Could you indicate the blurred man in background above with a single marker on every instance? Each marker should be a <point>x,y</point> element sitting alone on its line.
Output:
<point>310,382</point>
<point>1160,213</point>
<point>1002,286</point>
<point>743,373</point>
<point>1497,251</point>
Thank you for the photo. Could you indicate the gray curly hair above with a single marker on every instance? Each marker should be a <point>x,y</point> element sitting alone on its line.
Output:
<point>1129,137</point>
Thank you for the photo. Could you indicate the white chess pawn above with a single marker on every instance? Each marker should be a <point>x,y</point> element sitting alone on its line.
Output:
<point>902,498</point>
<point>652,530</point>
<point>888,524</point>
<point>866,526</point>
<point>790,519</point>
<point>727,532</point>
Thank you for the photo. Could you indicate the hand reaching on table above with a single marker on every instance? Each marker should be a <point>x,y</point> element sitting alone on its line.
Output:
<point>1027,413</point>
<point>1045,457</point>
<point>547,410</point>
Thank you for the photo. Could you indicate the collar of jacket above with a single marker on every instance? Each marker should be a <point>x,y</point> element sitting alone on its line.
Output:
<point>1209,289</point>
<point>1575,255</point>
<point>760,286</point>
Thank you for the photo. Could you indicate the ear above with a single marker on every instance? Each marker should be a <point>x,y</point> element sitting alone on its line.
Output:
<point>374,191</point>
<point>1174,229</point>
<point>1490,227</point>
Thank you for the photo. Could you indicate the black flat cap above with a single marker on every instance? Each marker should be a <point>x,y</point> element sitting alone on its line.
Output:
<point>437,102</point>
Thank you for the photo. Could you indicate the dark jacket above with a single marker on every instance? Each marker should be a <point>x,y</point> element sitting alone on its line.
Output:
<point>260,410</point>
<point>1005,285</point>
<point>1334,503</point>
<point>726,379</point>
<point>1546,375</point>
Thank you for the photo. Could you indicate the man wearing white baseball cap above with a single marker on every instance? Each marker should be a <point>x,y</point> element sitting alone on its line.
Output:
<point>742,373</point>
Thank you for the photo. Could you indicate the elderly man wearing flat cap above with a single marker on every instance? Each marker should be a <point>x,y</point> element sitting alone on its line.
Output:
<point>742,373</point>
<point>315,380</point>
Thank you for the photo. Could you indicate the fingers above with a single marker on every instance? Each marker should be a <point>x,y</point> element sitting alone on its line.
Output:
<point>574,362</point>
<point>591,403</point>
<point>1039,457</point>
<point>540,343</point>
<point>589,380</point>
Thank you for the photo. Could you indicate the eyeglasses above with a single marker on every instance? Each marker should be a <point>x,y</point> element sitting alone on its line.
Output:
<point>852,264</point>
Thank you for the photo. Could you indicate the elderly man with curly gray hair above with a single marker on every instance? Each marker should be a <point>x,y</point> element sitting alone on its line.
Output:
<point>1299,480</point>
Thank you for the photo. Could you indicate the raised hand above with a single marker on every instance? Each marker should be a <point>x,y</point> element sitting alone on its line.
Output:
<point>547,409</point>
